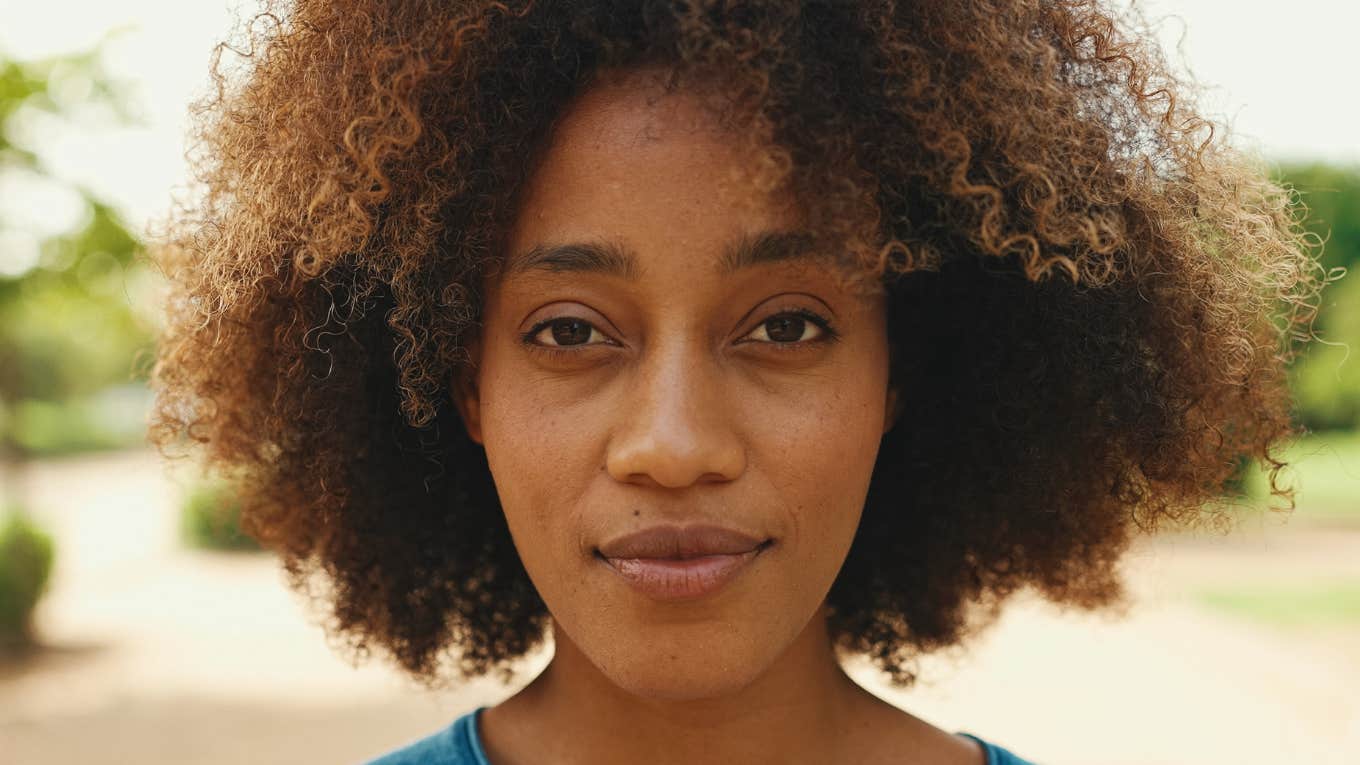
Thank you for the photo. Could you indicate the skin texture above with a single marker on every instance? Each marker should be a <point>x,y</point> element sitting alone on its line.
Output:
<point>1090,297</point>
<point>674,405</point>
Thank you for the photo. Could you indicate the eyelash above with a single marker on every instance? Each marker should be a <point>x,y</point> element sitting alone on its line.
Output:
<point>829,334</point>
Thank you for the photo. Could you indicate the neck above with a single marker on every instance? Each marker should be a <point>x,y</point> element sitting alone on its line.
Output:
<point>803,708</point>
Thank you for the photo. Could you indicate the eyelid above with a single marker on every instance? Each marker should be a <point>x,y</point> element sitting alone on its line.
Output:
<point>570,310</point>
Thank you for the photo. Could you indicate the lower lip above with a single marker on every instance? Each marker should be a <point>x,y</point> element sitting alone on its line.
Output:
<point>674,579</point>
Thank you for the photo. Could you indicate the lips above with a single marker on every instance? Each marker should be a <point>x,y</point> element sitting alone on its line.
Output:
<point>680,543</point>
<point>672,563</point>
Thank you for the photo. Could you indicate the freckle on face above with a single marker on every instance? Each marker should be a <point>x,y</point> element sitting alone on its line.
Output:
<point>679,409</point>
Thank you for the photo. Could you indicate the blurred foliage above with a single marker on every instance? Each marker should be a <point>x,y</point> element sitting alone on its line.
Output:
<point>56,86</point>
<point>1325,469</point>
<point>1326,376</point>
<point>68,330</point>
<point>210,518</point>
<point>110,419</point>
<point>25,568</point>
<point>1326,380</point>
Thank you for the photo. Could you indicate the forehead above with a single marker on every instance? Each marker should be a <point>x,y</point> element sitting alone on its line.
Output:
<point>636,108</point>
<point>628,162</point>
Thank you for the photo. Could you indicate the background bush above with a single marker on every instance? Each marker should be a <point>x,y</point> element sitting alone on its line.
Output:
<point>26,553</point>
<point>210,518</point>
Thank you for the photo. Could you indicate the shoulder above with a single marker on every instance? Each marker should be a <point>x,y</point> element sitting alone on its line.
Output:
<point>996,755</point>
<point>454,744</point>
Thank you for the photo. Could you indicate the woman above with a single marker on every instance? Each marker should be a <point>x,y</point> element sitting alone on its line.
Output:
<point>714,342</point>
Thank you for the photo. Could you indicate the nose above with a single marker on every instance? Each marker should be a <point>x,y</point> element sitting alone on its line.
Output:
<point>674,426</point>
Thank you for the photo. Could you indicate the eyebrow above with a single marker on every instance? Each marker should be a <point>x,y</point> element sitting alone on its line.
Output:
<point>613,259</point>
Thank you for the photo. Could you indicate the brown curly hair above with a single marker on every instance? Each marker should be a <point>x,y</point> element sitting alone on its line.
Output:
<point>1092,302</point>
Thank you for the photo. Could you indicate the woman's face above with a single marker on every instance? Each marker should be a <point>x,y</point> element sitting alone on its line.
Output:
<point>638,368</point>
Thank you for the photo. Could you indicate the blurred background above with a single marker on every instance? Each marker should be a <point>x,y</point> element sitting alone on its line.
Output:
<point>137,625</point>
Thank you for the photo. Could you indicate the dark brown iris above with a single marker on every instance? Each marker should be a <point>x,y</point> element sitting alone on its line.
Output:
<point>785,329</point>
<point>570,332</point>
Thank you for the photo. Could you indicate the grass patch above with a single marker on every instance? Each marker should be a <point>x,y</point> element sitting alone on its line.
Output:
<point>1310,606</point>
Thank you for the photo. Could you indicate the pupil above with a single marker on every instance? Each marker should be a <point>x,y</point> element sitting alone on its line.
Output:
<point>785,329</point>
<point>575,330</point>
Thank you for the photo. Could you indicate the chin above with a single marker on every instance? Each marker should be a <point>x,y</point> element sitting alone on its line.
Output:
<point>670,683</point>
<point>687,664</point>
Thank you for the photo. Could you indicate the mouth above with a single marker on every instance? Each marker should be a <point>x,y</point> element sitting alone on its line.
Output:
<point>685,576</point>
<point>681,542</point>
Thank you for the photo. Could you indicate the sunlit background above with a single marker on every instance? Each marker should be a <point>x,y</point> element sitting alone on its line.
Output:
<point>137,626</point>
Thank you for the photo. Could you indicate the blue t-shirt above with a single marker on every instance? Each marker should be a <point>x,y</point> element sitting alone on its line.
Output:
<point>459,744</point>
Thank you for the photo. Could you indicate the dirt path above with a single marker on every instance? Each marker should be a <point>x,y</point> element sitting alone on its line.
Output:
<point>161,655</point>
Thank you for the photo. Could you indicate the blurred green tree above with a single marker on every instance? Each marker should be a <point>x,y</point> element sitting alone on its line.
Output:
<point>67,329</point>
<point>1326,376</point>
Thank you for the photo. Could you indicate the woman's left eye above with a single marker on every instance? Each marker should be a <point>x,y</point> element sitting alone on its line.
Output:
<point>791,327</point>
<point>564,332</point>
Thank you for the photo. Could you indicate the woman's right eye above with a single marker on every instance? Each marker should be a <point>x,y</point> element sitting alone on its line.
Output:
<point>563,332</point>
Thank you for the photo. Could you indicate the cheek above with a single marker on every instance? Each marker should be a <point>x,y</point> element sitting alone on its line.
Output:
<point>817,447</point>
<point>540,457</point>
<point>820,455</point>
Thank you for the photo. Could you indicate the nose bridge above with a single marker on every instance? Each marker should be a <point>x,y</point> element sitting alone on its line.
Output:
<point>673,425</point>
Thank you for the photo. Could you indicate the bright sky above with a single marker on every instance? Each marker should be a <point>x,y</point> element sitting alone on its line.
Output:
<point>1284,78</point>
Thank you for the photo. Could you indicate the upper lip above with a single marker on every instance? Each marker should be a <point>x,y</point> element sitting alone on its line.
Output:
<point>680,542</point>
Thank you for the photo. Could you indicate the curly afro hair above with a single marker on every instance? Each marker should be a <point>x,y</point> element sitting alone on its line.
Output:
<point>1092,302</point>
